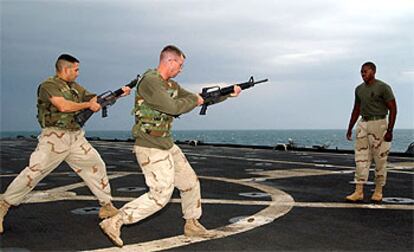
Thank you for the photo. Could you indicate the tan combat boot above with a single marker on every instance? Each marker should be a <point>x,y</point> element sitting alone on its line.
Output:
<point>377,195</point>
<point>358,195</point>
<point>193,228</point>
<point>112,228</point>
<point>4,207</point>
<point>107,211</point>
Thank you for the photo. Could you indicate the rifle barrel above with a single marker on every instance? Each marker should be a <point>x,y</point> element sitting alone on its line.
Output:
<point>229,89</point>
<point>131,85</point>
<point>211,95</point>
<point>260,81</point>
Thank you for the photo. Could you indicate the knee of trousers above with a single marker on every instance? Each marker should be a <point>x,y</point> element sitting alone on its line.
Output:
<point>361,173</point>
<point>189,184</point>
<point>94,157</point>
<point>360,179</point>
<point>362,167</point>
<point>381,168</point>
<point>101,166</point>
<point>161,196</point>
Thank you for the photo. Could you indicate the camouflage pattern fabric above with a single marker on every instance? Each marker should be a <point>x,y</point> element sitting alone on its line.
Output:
<point>370,145</point>
<point>164,170</point>
<point>56,145</point>
<point>48,115</point>
<point>152,121</point>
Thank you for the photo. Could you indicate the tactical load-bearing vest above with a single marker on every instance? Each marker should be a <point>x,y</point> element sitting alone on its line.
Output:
<point>49,116</point>
<point>151,121</point>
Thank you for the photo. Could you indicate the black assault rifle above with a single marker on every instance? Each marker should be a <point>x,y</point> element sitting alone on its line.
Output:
<point>212,94</point>
<point>105,99</point>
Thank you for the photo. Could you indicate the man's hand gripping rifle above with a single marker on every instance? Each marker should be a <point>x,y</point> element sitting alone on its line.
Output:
<point>212,94</point>
<point>105,99</point>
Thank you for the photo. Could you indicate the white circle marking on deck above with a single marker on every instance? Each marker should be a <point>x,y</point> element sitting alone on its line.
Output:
<point>281,203</point>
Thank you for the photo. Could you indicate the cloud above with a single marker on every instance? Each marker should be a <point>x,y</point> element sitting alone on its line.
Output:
<point>311,52</point>
<point>409,74</point>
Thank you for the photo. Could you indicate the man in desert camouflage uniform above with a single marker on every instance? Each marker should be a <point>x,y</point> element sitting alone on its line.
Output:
<point>373,100</point>
<point>62,139</point>
<point>158,100</point>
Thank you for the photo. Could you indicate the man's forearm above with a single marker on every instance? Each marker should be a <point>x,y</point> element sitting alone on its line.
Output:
<point>73,106</point>
<point>392,107</point>
<point>68,106</point>
<point>353,119</point>
<point>391,119</point>
<point>177,106</point>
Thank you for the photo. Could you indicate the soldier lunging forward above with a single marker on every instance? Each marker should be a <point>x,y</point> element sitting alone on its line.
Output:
<point>158,100</point>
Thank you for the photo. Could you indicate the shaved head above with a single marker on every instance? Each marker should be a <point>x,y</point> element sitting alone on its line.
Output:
<point>169,51</point>
<point>65,60</point>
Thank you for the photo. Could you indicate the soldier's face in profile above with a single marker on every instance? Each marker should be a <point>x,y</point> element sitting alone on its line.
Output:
<point>72,72</point>
<point>177,64</point>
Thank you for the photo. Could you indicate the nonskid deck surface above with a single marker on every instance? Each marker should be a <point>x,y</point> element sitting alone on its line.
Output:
<point>253,199</point>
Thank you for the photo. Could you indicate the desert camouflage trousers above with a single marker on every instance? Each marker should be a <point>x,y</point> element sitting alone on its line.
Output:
<point>54,147</point>
<point>370,145</point>
<point>164,170</point>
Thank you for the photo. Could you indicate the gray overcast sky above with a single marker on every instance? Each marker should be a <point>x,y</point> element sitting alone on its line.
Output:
<point>311,51</point>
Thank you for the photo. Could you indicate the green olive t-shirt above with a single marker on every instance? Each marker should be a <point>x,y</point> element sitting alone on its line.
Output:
<point>373,98</point>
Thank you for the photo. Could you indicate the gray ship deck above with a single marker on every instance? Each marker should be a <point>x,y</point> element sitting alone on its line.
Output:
<point>254,199</point>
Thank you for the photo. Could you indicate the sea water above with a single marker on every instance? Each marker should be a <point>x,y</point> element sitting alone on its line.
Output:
<point>330,138</point>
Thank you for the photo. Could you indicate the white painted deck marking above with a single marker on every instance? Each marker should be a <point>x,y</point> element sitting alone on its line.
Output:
<point>407,165</point>
<point>280,204</point>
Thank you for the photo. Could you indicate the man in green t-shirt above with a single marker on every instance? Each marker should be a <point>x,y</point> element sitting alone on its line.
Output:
<point>158,100</point>
<point>373,100</point>
<point>59,99</point>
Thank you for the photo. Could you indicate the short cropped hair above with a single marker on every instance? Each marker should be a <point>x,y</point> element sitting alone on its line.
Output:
<point>370,65</point>
<point>65,60</point>
<point>171,49</point>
